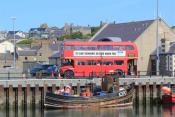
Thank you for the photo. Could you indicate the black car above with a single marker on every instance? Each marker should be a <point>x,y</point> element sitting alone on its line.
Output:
<point>40,68</point>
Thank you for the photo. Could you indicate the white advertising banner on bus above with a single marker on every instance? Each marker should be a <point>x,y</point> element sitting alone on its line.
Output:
<point>99,53</point>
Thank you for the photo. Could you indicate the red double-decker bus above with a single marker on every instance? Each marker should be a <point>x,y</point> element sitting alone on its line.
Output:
<point>97,58</point>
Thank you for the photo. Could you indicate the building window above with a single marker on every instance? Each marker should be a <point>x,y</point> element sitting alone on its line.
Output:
<point>163,46</point>
<point>162,40</point>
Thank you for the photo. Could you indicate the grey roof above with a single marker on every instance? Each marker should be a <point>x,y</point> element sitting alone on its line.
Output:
<point>126,31</point>
<point>172,49</point>
<point>54,47</point>
<point>24,46</point>
<point>55,55</point>
<point>6,56</point>
<point>36,47</point>
<point>27,53</point>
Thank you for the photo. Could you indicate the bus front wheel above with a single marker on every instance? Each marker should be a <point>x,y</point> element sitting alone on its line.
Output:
<point>119,72</point>
<point>68,74</point>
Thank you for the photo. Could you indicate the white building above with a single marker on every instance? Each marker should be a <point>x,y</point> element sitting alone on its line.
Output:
<point>7,46</point>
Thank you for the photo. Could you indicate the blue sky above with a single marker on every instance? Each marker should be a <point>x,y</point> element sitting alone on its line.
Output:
<point>31,13</point>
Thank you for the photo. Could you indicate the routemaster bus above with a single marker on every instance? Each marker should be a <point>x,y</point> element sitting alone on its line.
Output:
<point>82,59</point>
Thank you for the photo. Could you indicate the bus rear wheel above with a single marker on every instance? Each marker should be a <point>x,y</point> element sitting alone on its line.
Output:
<point>68,74</point>
<point>119,73</point>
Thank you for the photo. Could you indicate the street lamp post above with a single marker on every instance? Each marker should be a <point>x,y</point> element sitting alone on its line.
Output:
<point>14,42</point>
<point>157,40</point>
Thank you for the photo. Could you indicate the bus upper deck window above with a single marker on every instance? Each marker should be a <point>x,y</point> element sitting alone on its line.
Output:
<point>108,47</point>
<point>68,47</point>
<point>129,47</point>
<point>105,47</point>
<point>119,47</point>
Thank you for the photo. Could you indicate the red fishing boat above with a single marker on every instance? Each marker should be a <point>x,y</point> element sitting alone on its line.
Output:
<point>168,96</point>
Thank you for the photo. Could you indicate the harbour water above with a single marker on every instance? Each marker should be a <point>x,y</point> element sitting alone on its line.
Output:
<point>137,110</point>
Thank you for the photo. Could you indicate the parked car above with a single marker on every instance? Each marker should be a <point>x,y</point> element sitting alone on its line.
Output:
<point>44,69</point>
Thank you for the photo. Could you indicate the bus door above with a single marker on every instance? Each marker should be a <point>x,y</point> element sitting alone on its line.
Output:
<point>132,67</point>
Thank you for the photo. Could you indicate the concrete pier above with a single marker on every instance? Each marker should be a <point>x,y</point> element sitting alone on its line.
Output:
<point>32,91</point>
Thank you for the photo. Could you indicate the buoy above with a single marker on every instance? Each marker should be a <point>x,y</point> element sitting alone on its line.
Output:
<point>166,90</point>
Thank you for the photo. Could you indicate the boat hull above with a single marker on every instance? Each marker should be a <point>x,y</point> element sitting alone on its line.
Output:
<point>70,102</point>
<point>168,99</point>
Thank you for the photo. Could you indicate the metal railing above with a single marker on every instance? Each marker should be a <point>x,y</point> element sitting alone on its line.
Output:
<point>139,74</point>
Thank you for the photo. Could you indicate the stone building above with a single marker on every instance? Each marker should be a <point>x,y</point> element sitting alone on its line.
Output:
<point>143,33</point>
<point>70,28</point>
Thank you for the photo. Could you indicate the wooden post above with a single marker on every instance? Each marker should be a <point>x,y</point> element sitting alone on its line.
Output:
<point>28,96</point>
<point>125,85</point>
<point>53,88</point>
<point>140,92</point>
<point>61,86</point>
<point>45,88</point>
<point>154,91</point>
<point>2,97</point>
<point>11,97</point>
<point>78,89</point>
<point>20,96</point>
<point>159,91</point>
<point>147,91</point>
<point>37,95</point>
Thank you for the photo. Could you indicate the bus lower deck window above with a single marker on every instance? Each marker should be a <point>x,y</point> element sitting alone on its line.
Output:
<point>118,62</point>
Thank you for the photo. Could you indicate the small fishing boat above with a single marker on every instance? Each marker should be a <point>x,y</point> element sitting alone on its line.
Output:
<point>118,99</point>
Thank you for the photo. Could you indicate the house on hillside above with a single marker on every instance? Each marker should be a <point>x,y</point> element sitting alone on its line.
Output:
<point>143,33</point>
<point>45,33</point>
<point>18,35</point>
<point>39,33</point>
